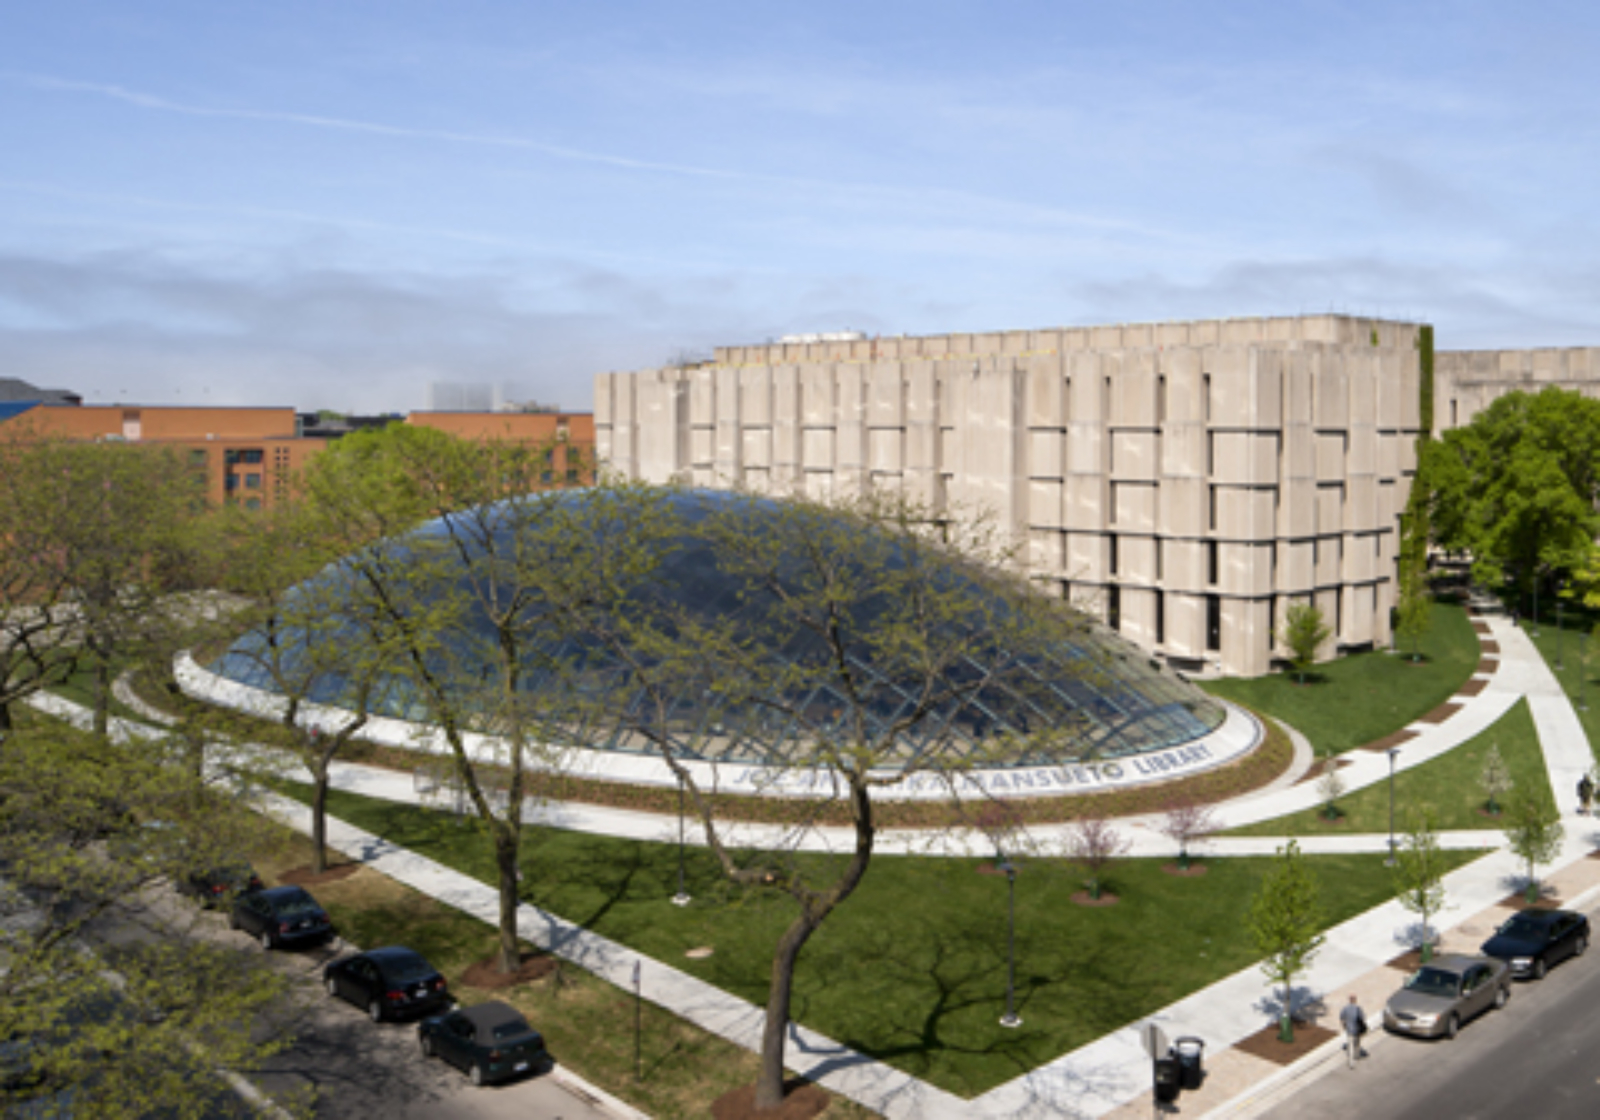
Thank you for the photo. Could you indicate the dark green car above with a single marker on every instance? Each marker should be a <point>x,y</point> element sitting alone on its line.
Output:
<point>491,1041</point>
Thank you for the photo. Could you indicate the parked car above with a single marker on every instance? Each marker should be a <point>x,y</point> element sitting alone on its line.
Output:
<point>281,916</point>
<point>1531,941</point>
<point>491,1041</point>
<point>220,885</point>
<point>1437,998</point>
<point>387,982</point>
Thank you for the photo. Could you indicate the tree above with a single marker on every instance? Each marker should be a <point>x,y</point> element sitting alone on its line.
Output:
<point>1414,607</point>
<point>855,633</point>
<point>1330,787</point>
<point>1419,870</point>
<point>1187,821</point>
<point>1533,833</point>
<point>461,614</point>
<point>1094,845</point>
<point>1284,922</point>
<point>130,1025</point>
<point>1304,632</point>
<point>1518,488</point>
<point>1495,780</point>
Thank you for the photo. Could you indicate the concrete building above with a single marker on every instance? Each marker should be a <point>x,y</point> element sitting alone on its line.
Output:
<point>1465,382</point>
<point>1186,481</point>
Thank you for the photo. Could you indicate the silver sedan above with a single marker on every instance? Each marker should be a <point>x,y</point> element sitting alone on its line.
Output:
<point>1440,996</point>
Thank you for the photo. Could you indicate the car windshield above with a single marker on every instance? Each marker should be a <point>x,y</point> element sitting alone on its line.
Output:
<point>511,1030</point>
<point>293,904</point>
<point>1433,982</point>
<point>403,970</point>
<point>1523,926</point>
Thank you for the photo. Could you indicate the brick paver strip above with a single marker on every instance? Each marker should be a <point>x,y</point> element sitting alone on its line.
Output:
<point>1388,741</point>
<point>1481,627</point>
<point>1472,687</point>
<point>1441,713</point>
<point>1487,665</point>
<point>1487,648</point>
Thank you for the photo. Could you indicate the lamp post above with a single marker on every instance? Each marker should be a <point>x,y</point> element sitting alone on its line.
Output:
<point>1010,1019</point>
<point>1392,752</point>
<point>682,897</point>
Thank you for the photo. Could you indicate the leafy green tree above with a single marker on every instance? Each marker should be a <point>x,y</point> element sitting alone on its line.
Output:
<point>1533,833</point>
<point>1419,870</point>
<point>1495,780</point>
<point>857,680</point>
<point>1518,488</point>
<point>1284,921</point>
<point>463,616</point>
<point>130,1024</point>
<point>1304,632</point>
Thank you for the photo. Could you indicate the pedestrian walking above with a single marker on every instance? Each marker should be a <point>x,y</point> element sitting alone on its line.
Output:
<point>1355,1025</point>
<point>1585,793</point>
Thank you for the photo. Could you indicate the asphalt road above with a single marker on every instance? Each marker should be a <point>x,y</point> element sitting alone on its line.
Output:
<point>1538,1057</point>
<point>356,1068</point>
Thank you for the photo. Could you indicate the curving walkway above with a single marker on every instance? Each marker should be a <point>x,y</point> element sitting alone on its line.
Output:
<point>1111,1076</point>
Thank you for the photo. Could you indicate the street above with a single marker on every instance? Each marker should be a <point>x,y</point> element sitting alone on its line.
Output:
<point>1540,1056</point>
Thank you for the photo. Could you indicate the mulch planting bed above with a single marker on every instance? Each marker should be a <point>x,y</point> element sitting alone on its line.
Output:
<point>802,1100</point>
<point>484,974</point>
<point>1517,902</point>
<point>1264,1043</point>
<point>1441,713</point>
<point>1106,899</point>
<point>303,877</point>
<point>1317,771</point>
<point>1410,961</point>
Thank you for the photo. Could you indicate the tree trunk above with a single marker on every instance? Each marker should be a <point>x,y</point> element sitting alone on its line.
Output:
<point>505,856</point>
<point>5,717</point>
<point>774,1034</point>
<point>102,697</point>
<point>319,820</point>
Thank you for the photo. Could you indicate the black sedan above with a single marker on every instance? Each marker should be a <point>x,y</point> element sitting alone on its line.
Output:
<point>281,916</point>
<point>1533,940</point>
<point>387,982</point>
<point>491,1041</point>
<point>219,885</point>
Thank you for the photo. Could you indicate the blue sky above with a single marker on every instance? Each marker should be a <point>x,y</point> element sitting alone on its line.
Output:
<point>331,204</point>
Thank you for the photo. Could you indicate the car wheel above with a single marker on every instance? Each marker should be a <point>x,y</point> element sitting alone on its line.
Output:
<point>375,1011</point>
<point>233,920</point>
<point>333,986</point>
<point>1540,968</point>
<point>427,1047</point>
<point>1502,997</point>
<point>266,939</point>
<point>1581,947</point>
<point>477,1074</point>
<point>1452,1025</point>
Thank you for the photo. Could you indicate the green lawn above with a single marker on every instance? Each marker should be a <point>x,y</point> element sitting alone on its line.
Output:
<point>1359,699</point>
<point>1449,784</point>
<point>912,969</point>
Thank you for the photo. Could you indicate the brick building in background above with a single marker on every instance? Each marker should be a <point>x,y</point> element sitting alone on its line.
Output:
<point>251,455</point>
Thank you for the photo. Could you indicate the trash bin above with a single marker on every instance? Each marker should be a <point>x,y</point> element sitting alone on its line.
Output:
<point>1188,1051</point>
<point>1168,1080</point>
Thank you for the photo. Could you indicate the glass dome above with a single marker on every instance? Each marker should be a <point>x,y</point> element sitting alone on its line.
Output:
<point>1083,694</point>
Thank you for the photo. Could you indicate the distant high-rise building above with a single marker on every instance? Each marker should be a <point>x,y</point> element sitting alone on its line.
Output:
<point>465,396</point>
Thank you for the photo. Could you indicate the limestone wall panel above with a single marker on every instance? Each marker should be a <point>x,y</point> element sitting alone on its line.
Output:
<point>1135,506</point>
<point>1330,456</point>
<point>757,448</point>
<point>1243,458</point>
<point>1330,509</point>
<point>886,446</point>
<point>1136,559</point>
<point>1138,611</point>
<point>819,450</point>
<point>1134,456</point>
<point>1183,450</point>
<point>755,397</point>
<point>1185,506</point>
<point>818,390</point>
<point>1046,503</point>
<point>1086,557</point>
<point>1186,625</point>
<point>1047,451</point>
<point>1245,513</point>
<point>1047,551</point>
<point>1297,511</point>
<point>1183,565</point>
<point>1297,573</point>
<point>1047,392</point>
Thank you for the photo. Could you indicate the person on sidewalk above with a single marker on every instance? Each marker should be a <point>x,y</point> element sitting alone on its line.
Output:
<point>1355,1025</point>
<point>1585,793</point>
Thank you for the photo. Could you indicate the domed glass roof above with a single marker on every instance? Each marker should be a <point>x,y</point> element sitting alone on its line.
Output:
<point>1083,694</point>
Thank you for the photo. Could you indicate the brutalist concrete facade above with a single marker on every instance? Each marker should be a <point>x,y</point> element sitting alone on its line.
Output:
<point>1465,382</point>
<point>1186,481</point>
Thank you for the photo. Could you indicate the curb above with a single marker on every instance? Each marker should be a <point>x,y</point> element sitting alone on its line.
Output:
<point>593,1095</point>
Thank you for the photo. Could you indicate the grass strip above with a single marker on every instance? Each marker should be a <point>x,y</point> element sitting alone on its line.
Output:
<point>1447,784</point>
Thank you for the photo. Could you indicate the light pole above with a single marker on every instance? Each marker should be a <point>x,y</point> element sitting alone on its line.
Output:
<point>1009,1019</point>
<point>1392,752</point>
<point>682,897</point>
